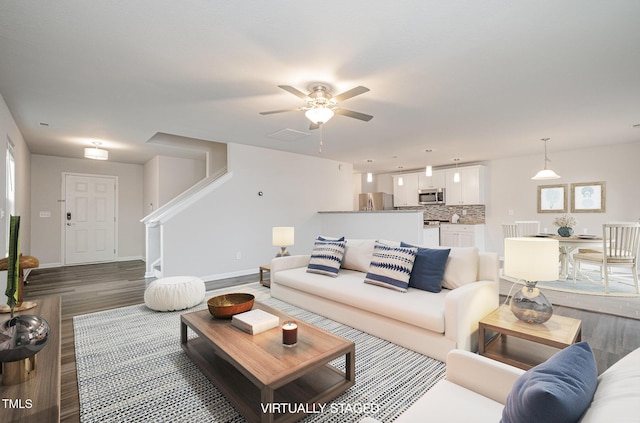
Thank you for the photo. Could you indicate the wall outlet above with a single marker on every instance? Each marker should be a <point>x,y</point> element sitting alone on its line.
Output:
<point>510,212</point>
<point>45,214</point>
<point>238,255</point>
<point>464,212</point>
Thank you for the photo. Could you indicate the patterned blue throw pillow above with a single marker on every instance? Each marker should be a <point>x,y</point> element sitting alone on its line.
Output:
<point>391,266</point>
<point>326,258</point>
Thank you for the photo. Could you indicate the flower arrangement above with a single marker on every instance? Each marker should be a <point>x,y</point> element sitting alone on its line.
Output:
<point>565,221</point>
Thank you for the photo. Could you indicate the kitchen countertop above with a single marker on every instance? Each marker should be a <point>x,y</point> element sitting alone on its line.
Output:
<point>372,211</point>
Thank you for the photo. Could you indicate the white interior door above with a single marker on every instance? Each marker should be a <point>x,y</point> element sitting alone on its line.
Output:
<point>89,219</point>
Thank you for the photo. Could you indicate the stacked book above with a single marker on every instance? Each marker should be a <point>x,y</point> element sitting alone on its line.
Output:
<point>255,321</point>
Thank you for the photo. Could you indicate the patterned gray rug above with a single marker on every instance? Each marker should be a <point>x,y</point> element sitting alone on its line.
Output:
<point>131,368</point>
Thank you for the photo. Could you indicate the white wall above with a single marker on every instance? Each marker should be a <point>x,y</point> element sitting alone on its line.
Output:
<point>166,177</point>
<point>177,175</point>
<point>392,226</point>
<point>46,191</point>
<point>9,130</point>
<point>510,188</point>
<point>204,240</point>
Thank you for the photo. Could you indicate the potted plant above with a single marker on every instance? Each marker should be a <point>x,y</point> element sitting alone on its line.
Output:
<point>565,224</point>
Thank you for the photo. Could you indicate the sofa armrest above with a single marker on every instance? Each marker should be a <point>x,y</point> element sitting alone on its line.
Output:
<point>489,378</point>
<point>279,264</point>
<point>463,309</point>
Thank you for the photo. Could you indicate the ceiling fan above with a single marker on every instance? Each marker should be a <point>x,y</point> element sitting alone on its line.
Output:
<point>321,105</point>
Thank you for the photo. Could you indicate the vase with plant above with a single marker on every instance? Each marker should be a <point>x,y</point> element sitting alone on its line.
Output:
<point>565,224</point>
<point>21,337</point>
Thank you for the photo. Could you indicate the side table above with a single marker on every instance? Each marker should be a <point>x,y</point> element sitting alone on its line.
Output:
<point>263,281</point>
<point>522,344</point>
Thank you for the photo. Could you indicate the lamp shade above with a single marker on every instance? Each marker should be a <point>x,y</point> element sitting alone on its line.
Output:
<point>545,174</point>
<point>319,114</point>
<point>282,236</point>
<point>531,259</point>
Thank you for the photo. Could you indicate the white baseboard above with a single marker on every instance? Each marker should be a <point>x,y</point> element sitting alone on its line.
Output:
<point>230,275</point>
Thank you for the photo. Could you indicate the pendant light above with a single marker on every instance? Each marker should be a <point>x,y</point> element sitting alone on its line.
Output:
<point>369,174</point>
<point>456,175</point>
<point>428,170</point>
<point>545,173</point>
<point>96,153</point>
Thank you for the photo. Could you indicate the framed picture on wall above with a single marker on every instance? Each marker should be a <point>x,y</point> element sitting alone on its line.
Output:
<point>588,197</point>
<point>552,198</point>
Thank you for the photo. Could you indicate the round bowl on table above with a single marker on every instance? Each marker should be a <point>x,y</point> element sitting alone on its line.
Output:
<point>225,306</point>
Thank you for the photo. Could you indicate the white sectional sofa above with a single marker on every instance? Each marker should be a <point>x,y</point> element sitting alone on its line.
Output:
<point>476,389</point>
<point>429,323</point>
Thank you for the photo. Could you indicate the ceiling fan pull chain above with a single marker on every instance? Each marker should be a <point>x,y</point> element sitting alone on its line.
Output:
<point>320,146</point>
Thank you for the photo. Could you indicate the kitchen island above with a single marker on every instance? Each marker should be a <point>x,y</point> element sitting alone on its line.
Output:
<point>398,225</point>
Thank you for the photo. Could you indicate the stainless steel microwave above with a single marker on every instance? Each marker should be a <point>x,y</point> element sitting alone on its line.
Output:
<point>431,196</point>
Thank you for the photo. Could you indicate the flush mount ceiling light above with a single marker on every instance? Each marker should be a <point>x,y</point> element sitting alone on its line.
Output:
<point>545,173</point>
<point>96,153</point>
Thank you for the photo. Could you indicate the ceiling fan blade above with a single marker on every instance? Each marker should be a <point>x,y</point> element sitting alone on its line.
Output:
<point>351,93</point>
<point>352,114</point>
<point>313,126</point>
<point>294,91</point>
<point>278,111</point>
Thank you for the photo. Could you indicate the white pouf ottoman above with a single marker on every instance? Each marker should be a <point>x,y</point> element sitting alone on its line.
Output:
<point>174,293</point>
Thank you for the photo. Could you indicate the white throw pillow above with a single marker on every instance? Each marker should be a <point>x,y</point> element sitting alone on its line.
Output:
<point>461,268</point>
<point>358,254</point>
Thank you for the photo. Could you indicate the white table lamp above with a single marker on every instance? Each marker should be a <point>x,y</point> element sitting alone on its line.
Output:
<point>531,260</point>
<point>282,236</point>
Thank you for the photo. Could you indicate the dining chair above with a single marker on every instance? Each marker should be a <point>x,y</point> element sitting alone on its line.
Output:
<point>620,243</point>
<point>509,230</point>
<point>528,227</point>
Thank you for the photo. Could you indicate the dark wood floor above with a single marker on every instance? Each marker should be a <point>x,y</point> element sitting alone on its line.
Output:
<point>87,289</point>
<point>97,287</point>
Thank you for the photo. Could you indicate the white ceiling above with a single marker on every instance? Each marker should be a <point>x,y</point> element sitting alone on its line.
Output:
<point>472,79</point>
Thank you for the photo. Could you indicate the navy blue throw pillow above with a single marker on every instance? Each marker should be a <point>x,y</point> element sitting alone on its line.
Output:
<point>428,268</point>
<point>558,390</point>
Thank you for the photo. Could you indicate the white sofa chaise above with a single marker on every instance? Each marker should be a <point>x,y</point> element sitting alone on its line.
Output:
<point>426,322</point>
<point>476,389</point>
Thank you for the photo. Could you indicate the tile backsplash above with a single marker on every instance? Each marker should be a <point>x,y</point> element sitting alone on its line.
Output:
<point>475,213</point>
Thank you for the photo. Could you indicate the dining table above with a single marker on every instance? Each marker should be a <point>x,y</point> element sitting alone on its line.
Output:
<point>567,246</point>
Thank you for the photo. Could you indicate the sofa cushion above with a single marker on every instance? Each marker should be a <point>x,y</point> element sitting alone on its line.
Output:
<point>415,307</point>
<point>326,258</point>
<point>616,399</point>
<point>461,268</point>
<point>558,390</point>
<point>428,268</point>
<point>391,266</point>
<point>358,254</point>
<point>451,403</point>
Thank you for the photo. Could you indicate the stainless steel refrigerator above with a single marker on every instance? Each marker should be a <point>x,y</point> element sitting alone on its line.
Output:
<point>375,201</point>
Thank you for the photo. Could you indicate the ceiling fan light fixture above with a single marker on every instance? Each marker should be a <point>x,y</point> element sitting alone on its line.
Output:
<point>96,153</point>
<point>319,114</point>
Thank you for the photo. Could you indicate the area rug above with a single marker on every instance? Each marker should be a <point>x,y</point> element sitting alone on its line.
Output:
<point>620,285</point>
<point>131,368</point>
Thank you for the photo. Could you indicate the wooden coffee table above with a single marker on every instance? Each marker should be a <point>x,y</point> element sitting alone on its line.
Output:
<point>522,344</point>
<point>255,371</point>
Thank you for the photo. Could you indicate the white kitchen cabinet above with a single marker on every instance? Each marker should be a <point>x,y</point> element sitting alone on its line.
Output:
<point>405,195</point>
<point>431,237</point>
<point>460,235</point>
<point>470,189</point>
<point>437,180</point>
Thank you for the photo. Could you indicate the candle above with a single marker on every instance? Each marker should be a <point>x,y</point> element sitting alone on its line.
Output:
<point>289,334</point>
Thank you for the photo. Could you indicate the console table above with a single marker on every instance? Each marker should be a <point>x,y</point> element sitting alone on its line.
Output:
<point>37,399</point>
